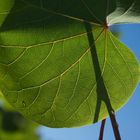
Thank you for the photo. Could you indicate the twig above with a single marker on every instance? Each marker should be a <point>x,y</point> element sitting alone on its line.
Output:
<point>102,129</point>
<point>115,126</point>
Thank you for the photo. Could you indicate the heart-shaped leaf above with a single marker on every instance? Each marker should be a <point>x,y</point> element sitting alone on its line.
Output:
<point>59,63</point>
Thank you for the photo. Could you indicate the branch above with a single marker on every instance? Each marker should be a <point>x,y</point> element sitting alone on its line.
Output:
<point>115,126</point>
<point>102,129</point>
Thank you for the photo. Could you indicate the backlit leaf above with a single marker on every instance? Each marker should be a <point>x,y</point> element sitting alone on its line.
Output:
<point>59,63</point>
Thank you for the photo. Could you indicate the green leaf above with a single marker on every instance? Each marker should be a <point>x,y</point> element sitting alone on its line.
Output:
<point>5,7</point>
<point>61,66</point>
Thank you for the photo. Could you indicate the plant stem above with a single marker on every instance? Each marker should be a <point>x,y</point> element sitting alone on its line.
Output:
<point>115,126</point>
<point>102,129</point>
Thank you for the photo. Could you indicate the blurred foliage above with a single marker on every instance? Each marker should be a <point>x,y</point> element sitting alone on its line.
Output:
<point>13,126</point>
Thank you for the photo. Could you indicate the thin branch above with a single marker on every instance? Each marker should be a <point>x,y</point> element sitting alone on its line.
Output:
<point>102,93</point>
<point>115,126</point>
<point>102,129</point>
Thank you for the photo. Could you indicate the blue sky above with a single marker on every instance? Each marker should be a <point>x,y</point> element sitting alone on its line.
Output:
<point>128,117</point>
